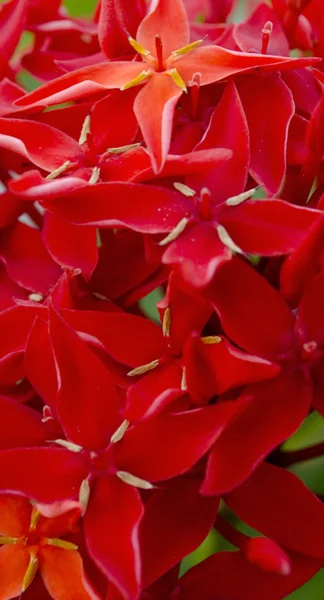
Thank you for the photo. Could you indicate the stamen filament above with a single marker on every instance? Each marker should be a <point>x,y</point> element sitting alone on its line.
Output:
<point>159,53</point>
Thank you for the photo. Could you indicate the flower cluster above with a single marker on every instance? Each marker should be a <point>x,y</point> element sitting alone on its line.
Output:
<point>168,150</point>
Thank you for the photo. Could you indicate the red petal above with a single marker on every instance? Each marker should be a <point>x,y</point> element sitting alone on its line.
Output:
<point>12,21</point>
<point>213,369</point>
<point>269,107</point>
<point>44,474</point>
<point>268,556</point>
<point>14,561</point>
<point>26,258</point>
<point>197,253</point>
<point>15,513</point>
<point>161,93</point>
<point>107,133</point>
<point>168,19</point>
<point>116,509</point>
<point>310,318</point>
<point>87,402</point>
<point>233,576</point>
<point>268,227</point>
<point>117,19</point>
<point>71,246</point>
<point>227,128</point>
<point>279,505</point>
<point>39,363</point>
<point>170,444</point>
<point>46,147</point>
<point>20,425</point>
<point>148,209</point>
<point>275,411</point>
<point>252,313</point>
<point>63,574</point>
<point>176,520</point>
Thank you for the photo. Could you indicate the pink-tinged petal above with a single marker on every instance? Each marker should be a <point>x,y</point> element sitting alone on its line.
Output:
<point>167,19</point>
<point>20,425</point>
<point>252,313</point>
<point>248,34</point>
<point>176,520</point>
<point>107,133</point>
<point>269,107</point>
<point>304,263</point>
<point>63,574</point>
<point>87,402</point>
<point>128,339</point>
<point>26,259</point>
<point>83,82</point>
<point>15,513</point>
<point>215,63</point>
<point>310,318</point>
<point>42,474</point>
<point>70,245</point>
<point>215,368</point>
<point>227,128</point>
<point>170,444</point>
<point>12,22</point>
<point>147,209</point>
<point>39,363</point>
<point>233,576</point>
<point>154,392</point>
<point>274,412</point>
<point>296,146</point>
<point>154,109</point>
<point>111,528</point>
<point>277,504</point>
<point>268,227</point>
<point>197,253</point>
<point>299,79</point>
<point>32,186</point>
<point>200,160</point>
<point>117,19</point>
<point>14,561</point>
<point>9,92</point>
<point>46,147</point>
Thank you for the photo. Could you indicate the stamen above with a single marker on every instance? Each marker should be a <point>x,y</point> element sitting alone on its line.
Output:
<point>144,368</point>
<point>166,322</point>
<point>235,200</point>
<point>184,189</point>
<point>120,432</point>
<point>68,445</point>
<point>59,170</point>
<point>8,540</point>
<point>35,516</point>
<point>159,54</point>
<point>84,495</point>
<point>31,572</point>
<point>35,297</point>
<point>183,383</point>
<point>266,34</point>
<point>134,481</point>
<point>177,79</point>
<point>138,47</point>
<point>185,49</point>
<point>61,544</point>
<point>174,234</point>
<point>121,149</point>
<point>226,239</point>
<point>143,76</point>
<point>95,175</point>
<point>211,339</point>
<point>85,130</point>
<point>205,204</point>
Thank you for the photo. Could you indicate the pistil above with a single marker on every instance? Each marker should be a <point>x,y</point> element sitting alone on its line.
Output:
<point>205,204</point>
<point>159,54</point>
<point>266,35</point>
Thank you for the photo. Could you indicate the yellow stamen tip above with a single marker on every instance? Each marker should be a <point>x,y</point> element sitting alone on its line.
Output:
<point>143,76</point>
<point>175,75</point>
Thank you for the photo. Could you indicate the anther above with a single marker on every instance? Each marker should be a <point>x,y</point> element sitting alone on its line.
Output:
<point>194,93</point>
<point>266,34</point>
